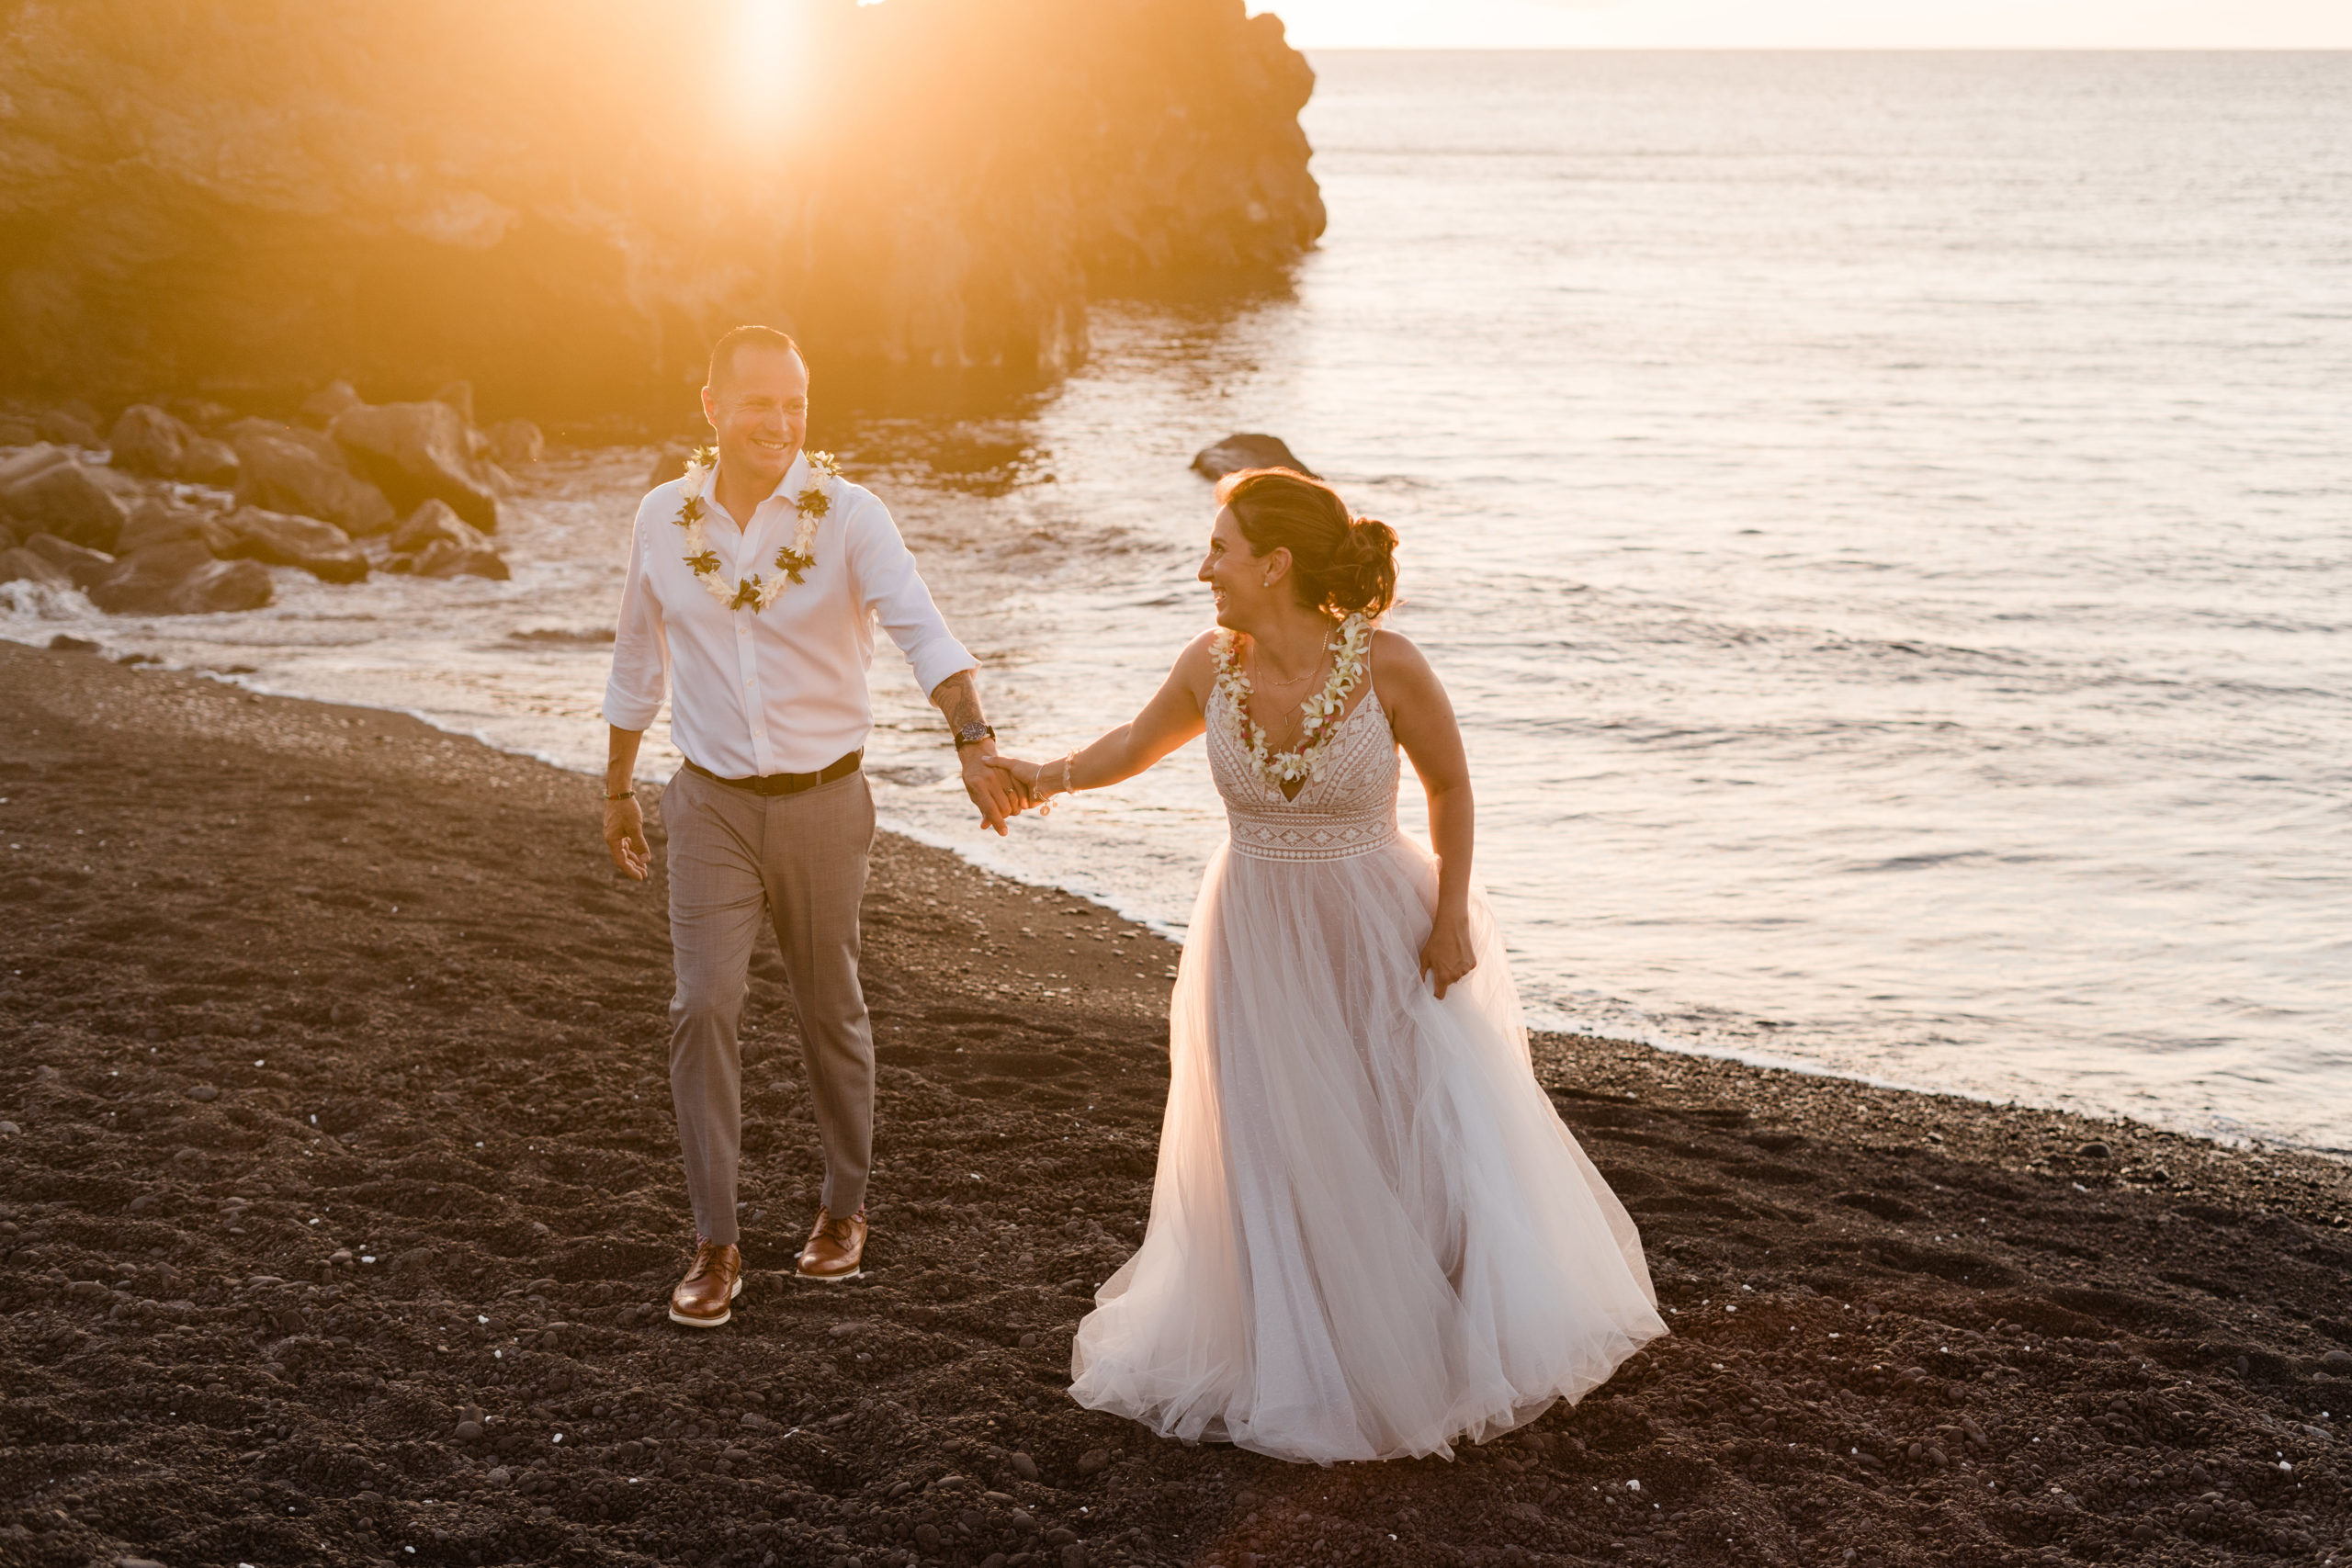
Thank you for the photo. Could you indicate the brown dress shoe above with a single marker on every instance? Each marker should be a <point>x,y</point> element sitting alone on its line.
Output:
<point>834,1247</point>
<point>702,1299</point>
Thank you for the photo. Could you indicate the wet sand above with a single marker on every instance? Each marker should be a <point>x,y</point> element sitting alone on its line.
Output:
<point>338,1183</point>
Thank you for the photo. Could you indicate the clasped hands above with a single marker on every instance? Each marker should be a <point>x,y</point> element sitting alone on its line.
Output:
<point>1002,787</point>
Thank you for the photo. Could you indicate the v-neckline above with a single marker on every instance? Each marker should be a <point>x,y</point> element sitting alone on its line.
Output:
<point>1370,695</point>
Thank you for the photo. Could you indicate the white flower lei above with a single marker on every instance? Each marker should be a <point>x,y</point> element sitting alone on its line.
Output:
<point>1306,762</point>
<point>794,558</point>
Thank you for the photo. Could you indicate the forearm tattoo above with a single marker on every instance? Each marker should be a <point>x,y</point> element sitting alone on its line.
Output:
<point>958,697</point>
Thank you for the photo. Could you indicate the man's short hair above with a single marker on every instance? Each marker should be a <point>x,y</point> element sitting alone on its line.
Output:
<point>723,353</point>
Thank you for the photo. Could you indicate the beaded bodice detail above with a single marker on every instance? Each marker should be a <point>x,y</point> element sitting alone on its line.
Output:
<point>1347,808</point>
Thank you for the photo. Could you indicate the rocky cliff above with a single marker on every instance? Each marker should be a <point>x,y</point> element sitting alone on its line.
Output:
<point>565,200</point>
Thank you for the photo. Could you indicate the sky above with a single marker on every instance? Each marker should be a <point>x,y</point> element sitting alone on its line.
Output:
<point>1815,24</point>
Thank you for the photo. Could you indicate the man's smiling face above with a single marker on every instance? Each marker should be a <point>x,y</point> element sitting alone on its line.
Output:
<point>759,407</point>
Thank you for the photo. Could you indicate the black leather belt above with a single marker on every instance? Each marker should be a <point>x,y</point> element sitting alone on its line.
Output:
<point>786,783</point>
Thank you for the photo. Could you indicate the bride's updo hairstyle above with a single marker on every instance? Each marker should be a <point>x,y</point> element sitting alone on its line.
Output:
<point>1342,564</point>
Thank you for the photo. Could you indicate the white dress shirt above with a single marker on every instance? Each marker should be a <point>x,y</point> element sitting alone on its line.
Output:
<point>780,689</point>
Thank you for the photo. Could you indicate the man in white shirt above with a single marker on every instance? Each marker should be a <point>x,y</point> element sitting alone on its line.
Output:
<point>751,594</point>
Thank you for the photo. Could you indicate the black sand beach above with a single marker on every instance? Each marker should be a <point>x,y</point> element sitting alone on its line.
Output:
<point>339,1196</point>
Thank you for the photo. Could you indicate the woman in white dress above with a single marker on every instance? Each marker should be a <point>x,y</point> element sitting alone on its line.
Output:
<point>1371,1233</point>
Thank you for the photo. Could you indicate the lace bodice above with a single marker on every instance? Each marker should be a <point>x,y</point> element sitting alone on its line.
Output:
<point>1350,808</point>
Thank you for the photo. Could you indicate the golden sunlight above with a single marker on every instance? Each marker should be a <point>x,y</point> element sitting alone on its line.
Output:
<point>768,68</point>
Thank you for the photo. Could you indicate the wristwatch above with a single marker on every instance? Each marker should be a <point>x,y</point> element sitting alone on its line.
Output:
<point>973,734</point>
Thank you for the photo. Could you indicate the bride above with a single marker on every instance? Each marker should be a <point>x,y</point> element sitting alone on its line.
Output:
<point>1370,1233</point>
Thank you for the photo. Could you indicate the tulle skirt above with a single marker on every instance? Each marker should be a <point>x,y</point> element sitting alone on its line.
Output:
<point>1371,1233</point>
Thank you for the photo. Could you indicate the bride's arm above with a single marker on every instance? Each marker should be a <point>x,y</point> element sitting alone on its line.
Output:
<point>1423,719</point>
<point>1173,716</point>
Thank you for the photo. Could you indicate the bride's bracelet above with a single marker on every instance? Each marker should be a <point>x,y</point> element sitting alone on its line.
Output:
<point>1045,802</point>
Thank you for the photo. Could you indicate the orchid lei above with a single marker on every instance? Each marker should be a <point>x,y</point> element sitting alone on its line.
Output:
<point>792,560</point>
<point>1282,767</point>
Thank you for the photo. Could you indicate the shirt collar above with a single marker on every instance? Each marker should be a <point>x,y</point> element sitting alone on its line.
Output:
<point>794,480</point>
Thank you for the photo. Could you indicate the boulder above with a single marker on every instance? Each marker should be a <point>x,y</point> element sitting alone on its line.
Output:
<point>70,427</point>
<point>66,500</point>
<point>320,548</point>
<point>442,559</point>
<point>1248,450</point>
<point>24,566</point>
<point>432,521</point>
<point>82,568</point>
<point>417,453</point>
<point>157,522</point>
<point>437,542</point>
<point>182,580</point>
<point>28,461</point>
<point>336,397</point>
<point>459,395</point>
<point>284,469</point>
<point>209,462</point>
<point>516,442</point>
<point>146,440</point>
<point>200,414</point>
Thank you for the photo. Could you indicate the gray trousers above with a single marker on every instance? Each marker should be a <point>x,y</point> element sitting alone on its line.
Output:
<point>795,862</point>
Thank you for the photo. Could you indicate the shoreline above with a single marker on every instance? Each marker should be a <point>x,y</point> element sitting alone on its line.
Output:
<point>291,986</point>
<point>978,855</point>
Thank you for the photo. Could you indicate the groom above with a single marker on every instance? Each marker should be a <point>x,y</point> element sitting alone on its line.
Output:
<point>754,597</point>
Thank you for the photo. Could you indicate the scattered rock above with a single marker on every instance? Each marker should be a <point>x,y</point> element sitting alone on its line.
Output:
<point>1093,1461</point>
<point>499,1476</point>
<point>67,426</point>
<point>24,566</point>
<point>416,452</point>
<point>1022,1466</point>
<point>469,1432</point>
<point>65,500</point>
<point>28,461</point>
<point>2093,1151</point>
<point>204,1092</point>
<point>459,395</point>
<point>182,579</point>
<point>1247,450</point>
<point>84,567</point>
<point>155,523</point>
<point>336,398</point>
<point>284,469</point>
<point>2337,1360</point>
<point>146,440</point>
<point>516,442</point>
<point>320,548</point>
<point>205,461</point>
<point>200,414</point>
<point>434,520</point>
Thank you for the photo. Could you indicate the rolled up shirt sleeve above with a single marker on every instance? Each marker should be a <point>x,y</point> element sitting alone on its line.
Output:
<point>641,652</point>
<point>889,586</point>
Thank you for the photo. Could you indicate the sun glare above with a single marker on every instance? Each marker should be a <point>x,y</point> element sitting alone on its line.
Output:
<point>770,36</point>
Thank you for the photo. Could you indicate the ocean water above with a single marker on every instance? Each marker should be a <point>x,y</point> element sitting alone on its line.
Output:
<point>1885,522</point>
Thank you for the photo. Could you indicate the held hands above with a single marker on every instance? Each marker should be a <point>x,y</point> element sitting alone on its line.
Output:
<point>1446,957</point>
<point>992,784</point>
<point>625,837</point>
<point>1021,776</point>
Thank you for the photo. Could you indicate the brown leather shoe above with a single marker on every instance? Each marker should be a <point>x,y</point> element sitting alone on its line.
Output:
<point>703,1298</point>
<point>835,1248</point>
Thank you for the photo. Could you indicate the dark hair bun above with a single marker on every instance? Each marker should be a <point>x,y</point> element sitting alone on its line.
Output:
<point>1362,576</point>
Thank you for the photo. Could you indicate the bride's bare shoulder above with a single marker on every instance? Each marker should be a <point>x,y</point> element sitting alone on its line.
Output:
<point>1196,665</point>
<point>1402,676</point>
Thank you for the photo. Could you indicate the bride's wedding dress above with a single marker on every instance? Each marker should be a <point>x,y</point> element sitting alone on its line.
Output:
<point>1370,1234</point>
